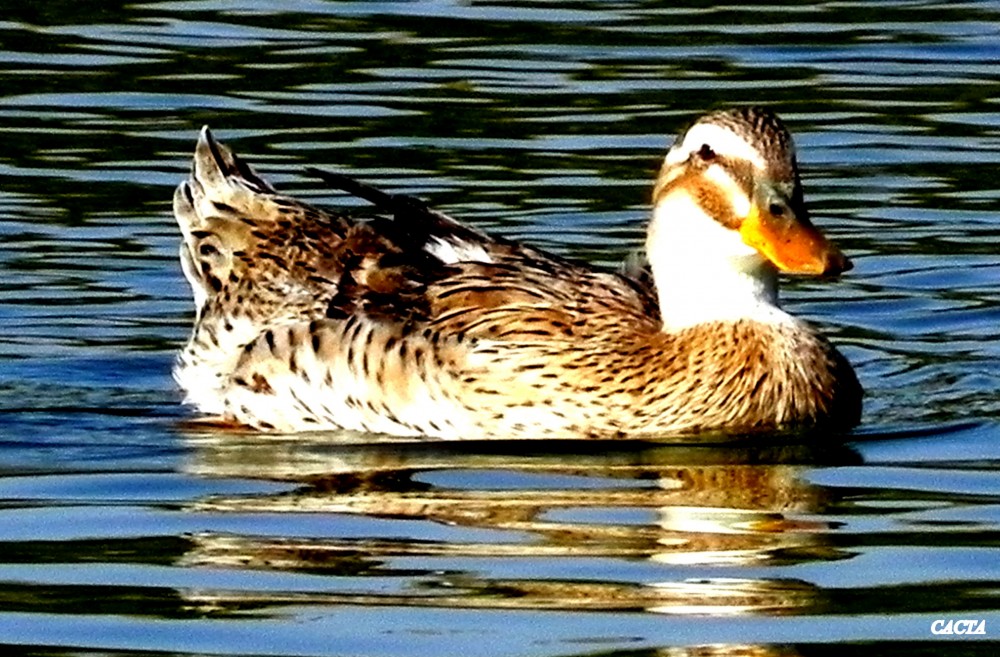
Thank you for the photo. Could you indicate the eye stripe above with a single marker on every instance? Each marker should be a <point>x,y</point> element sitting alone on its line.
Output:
<point>731,176</point>
<point>722,200</point>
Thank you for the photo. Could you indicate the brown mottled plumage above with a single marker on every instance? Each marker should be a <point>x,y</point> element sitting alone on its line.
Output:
<point>410,323</point>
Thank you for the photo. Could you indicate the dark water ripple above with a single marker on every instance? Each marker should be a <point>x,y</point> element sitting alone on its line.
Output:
<point>124,529</point>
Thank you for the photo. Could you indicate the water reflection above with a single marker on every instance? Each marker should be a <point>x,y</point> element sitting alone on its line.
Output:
<point>654,512</point>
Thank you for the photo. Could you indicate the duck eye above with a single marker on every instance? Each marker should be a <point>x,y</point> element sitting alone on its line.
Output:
<point>776,210</point>
<point>207,250</point>
<point>706,153</point>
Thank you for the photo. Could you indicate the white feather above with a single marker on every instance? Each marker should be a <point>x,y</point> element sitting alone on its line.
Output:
<point>203,373</point>
<point>720,139</point>
<point>197,285</point>
<point>452,251</point>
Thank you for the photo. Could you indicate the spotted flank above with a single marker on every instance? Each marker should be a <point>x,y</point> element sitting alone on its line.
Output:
<point>406,322</point>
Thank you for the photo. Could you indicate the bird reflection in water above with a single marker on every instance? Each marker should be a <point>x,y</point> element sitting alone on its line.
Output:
<point>667,519</point>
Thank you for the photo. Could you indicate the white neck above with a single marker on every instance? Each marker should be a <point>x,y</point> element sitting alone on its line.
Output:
<point>703,270</point>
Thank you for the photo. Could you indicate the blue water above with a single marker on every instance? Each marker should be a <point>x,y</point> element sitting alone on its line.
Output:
<point>124,528</point>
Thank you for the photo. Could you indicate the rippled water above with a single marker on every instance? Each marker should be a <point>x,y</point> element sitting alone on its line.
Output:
<point>121,529</point>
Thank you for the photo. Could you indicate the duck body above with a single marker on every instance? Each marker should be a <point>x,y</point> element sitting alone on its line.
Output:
<point>412,324</point>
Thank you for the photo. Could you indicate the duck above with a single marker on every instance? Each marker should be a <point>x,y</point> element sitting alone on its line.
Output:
<point>409,323</point>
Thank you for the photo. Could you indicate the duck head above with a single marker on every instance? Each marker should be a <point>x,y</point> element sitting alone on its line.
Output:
<point>728,213</point>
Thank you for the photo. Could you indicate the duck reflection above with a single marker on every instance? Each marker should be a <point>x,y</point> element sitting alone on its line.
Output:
<point>666,528</point>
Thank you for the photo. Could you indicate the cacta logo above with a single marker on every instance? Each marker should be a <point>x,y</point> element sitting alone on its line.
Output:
<point>959,627</point>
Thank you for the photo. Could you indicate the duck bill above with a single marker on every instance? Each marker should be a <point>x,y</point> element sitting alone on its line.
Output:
<point>792,243</point>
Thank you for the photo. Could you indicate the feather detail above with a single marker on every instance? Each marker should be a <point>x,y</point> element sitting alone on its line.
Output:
<point>407,322</point>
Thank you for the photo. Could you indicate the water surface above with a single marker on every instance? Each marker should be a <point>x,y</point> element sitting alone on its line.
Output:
<point>122,528</point>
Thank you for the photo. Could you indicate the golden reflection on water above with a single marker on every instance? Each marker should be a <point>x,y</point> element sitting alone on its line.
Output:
<point>675,507</point>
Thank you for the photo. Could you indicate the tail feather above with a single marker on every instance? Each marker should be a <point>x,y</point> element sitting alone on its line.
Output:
<point>381,200</point>
<point>415,224</point>
<point>232,221</point>
<point>221,186</point>
<point>214,163</point>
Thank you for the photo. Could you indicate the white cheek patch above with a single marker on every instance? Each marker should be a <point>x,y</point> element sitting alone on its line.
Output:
<point>681,232</point>
<point>704,271</point>
<point>721,140</point>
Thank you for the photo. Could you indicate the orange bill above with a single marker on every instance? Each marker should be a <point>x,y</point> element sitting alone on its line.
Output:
<point>793,244</point>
